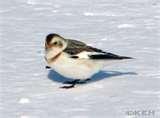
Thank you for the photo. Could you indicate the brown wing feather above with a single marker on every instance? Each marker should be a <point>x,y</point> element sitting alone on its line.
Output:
<point>74,47</point>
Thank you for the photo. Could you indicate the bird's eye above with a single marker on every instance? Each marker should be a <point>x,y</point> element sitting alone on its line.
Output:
<point>55,43</point>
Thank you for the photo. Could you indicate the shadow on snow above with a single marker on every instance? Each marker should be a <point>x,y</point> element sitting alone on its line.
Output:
<point>54,76</point>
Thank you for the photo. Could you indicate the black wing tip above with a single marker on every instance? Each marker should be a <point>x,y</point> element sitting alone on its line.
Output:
<point>109,56</point>
<point>124,57</point>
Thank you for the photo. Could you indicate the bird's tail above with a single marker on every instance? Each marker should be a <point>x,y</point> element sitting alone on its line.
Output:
<point>124,57</point>
<point>109,56</point>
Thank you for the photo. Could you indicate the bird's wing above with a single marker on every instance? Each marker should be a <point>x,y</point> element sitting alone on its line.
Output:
<point>75,43</point>
<point>107,56</point>
<point>98,56</point>
<point>80,50</point>
<point>75,47</point>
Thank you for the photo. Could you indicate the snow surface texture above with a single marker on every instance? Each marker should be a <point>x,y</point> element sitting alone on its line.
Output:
<point>125,27</point>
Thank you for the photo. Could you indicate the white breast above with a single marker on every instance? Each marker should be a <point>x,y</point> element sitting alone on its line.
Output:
<point>76,68</point>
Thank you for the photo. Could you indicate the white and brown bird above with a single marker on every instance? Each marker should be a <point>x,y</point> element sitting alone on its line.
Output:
<point>74,59</point>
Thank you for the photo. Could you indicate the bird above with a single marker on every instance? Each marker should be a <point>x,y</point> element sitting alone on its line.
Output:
<point>75,59</point>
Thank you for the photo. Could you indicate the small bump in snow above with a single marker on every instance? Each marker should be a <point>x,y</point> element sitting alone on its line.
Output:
<point>24,116</point>
<point>126,26</point>
<point>24,101</point>
<point>104,39</point>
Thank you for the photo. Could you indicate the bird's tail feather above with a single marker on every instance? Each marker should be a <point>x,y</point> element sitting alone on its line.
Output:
<point>124,57</point>
<point>109,56</point>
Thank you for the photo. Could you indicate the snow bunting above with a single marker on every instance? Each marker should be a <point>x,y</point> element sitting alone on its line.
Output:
<point>74,59</point>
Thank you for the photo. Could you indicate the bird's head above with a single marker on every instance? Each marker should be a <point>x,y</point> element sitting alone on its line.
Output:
<point>55,44</point>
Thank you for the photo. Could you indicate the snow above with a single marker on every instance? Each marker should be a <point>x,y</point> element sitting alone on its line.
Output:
<point>23,116</point>
<point>125,27</point>
<point>24,101</point>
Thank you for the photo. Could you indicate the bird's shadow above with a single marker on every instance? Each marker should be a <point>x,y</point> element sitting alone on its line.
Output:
<point>54,76</point>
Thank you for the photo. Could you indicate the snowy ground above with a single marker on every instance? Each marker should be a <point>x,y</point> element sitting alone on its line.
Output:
<point>126,27</point>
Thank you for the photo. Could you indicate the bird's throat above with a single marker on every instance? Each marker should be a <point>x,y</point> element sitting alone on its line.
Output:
<point>53,59</point>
